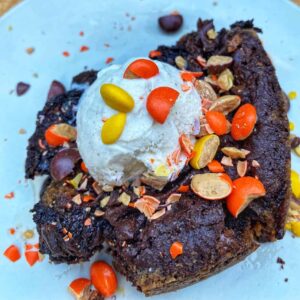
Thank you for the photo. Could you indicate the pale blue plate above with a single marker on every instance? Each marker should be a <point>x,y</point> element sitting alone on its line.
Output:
<point>52,27</point>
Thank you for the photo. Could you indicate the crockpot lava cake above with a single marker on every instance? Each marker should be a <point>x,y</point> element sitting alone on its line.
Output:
<point>179,162</point>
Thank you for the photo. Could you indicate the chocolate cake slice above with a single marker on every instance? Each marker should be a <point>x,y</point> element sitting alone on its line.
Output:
<point>213,239</point>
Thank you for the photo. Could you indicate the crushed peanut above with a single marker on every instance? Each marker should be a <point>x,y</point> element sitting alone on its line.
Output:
<point>104,201</point>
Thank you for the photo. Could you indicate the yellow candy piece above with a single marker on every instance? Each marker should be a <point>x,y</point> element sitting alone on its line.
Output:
<point>295,182</point>
<point>205,151</point>
<point>292,126</point>
<point>113,128</point>
<point>162,170</point>
<point>292,95</point>
<point>295,227</point>
<point>116,98</point>
<point>288,226</point>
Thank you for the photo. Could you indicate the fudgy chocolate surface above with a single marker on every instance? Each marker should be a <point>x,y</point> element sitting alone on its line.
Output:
<point>212,238</point>
<point>59,109</point>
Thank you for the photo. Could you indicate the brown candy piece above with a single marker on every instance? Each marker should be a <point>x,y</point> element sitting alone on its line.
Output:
<point>170,23</point>
<point>22,88</point>
<point>56,88</point>
<point>63,163</point>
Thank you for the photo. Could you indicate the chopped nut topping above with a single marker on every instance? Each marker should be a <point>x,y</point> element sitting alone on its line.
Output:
<point>76,180</point>
<point>104,201</point>
<point>88,222</point>
<point>158,214</point>
<point>173,198</point>
<point>83,185</point>
<point>124,199</point>
<point>136,190</point>
<point>227,161</point>
<point>213,81</point>
<point>180,62</point>
<point>139,190</point>
<point>77,199</point>
<point>147,205</point>
<point>211,34</point>
<point>97,188</point>
<point>255,163</point>
<point>98,213</point>
<point>30,50</point>
<point>28,234</point>
<point>241,167</point>
<point>208,129</point>
<point>22,131</point>
<point>107,188</point>
<point>235,152</point>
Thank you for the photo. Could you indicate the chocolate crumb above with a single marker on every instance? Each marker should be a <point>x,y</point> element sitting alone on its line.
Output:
<point>22,131</point>
<point>30,50</point>
<point>22,88</point>
<point>286,279</point>
<point>281,262</point>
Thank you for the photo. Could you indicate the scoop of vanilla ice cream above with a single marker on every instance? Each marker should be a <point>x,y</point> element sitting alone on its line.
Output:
<point>145,146</point>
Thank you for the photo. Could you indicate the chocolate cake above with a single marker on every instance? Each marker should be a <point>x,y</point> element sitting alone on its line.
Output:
<point>71,230</point>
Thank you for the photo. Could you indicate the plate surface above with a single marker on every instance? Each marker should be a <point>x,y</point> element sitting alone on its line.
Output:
<point>130,28</point>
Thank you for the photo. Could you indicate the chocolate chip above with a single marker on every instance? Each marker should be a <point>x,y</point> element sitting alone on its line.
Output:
<point>170,23</point>
<point>295,142</point>
<point>87,77</point>
<point>22,88</point>
<point>63,163</point>
<point>56,88</point>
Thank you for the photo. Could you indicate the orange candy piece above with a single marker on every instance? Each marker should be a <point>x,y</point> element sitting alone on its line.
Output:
<point>104,278</point>
<point>217,122</point>
<point>190,76</point>
<point>176,249</point>
<point>186,145</point>
<point>160,101</point>
<point>78,285</point>
<point>243,122</point>
<point>141,68</point>
<point>12,253</point>
<point>31,257</point>
<point>245,189</point>
<point>57,134</point>
<point>83,167</point>
<point>88,198</point>
<point>154,54</point>
<point>183,189</point>
<point>215,167</point>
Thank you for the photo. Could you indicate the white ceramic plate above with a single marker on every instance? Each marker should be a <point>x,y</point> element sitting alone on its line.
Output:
<point>52,27</point>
